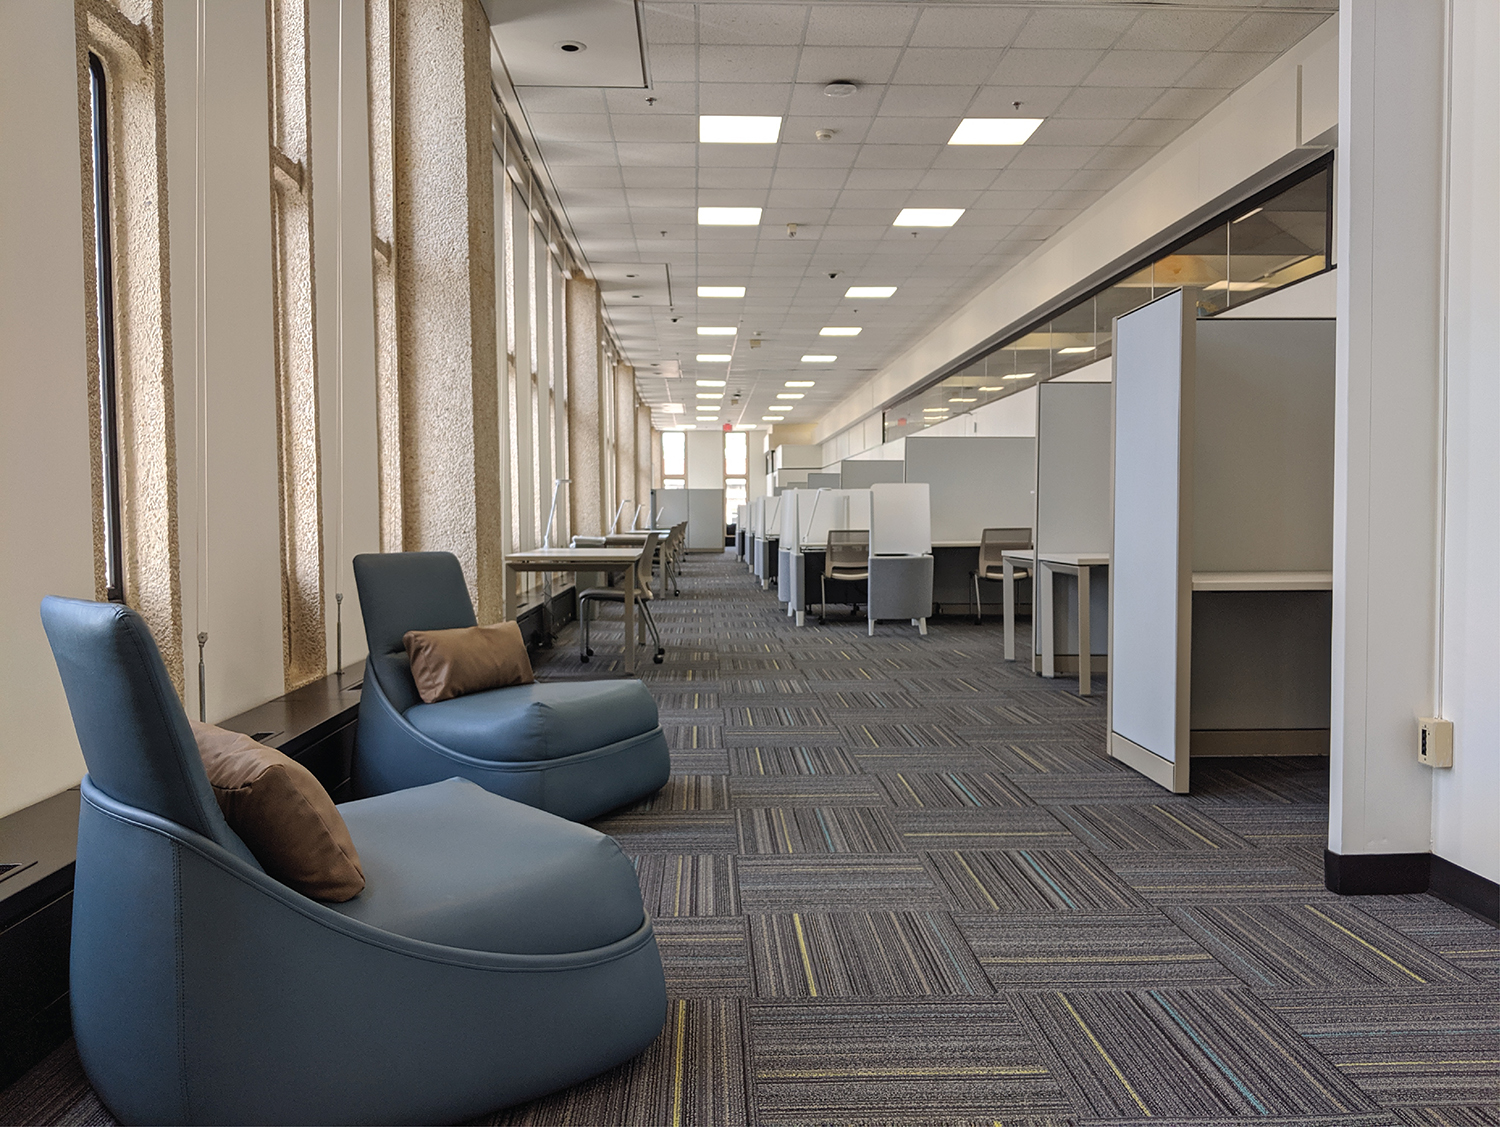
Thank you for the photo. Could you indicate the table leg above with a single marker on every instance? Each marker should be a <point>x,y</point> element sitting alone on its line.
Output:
<point>630,618</point>
<point>1085,636</point>
<point>1042,618</point>
<point>1008,607</point>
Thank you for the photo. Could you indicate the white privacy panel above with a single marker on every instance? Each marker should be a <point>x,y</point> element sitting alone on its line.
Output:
<point>741,518</point>
<point>1072,467</point>
<point>834,508</point>
<point>1263,395</point>
<point>900,519</point>
<point>793,501</point>
<point>976,483</point>
<point>771,521</point>
<point>1153,369</point>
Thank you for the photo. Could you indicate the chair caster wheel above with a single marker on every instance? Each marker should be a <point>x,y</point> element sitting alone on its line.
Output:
<point>657,659</point>
<point>583,658</point>
<point>588,655</point>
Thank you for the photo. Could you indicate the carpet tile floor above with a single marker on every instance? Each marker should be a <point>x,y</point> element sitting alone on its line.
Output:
<point>896,880</point>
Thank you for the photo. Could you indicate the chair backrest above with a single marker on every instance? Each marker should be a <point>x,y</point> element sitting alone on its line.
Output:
<point>848,550</point>
<point>401,591</point>
<point>131,725</point>
<point>647,566</point>
<point>994,541</point>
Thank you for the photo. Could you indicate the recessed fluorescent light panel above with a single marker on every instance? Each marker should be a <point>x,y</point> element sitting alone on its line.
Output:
<point>709,395</point>
<point>961,399</point>
<point>788,395</point>
<point>728,216</point>
<point>812,358</point>
<point>672,408</point>
<point>734,130</point>
<point>721,291</point>
<point>994,130</point>
<point>1077,350</point>
<point>801,383</point>
<point>869,291</point>
<point>1018,376</point>
<point>996,388</point>
<point>711,383</point>
<point>716,330</point>
<point>713,357</point>
<point>839,331</point>
<point>927,217</point>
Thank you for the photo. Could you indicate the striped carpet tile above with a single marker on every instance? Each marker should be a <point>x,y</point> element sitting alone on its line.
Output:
<point>910,734</point>
<point>1196,1055</point>
<point>1025,758</point>
<point>704,957</point>
<point>1406,1046</point>
<point>1483,1115</point>
<point>937,688</point>
<point>875,880</point>
<point>688,884</point>
<point>1030,880</point>
<point>890,954</point>
<point>950,790</point>
<point>868,701</point>
<point>1159,826</point>
<point>1220,877</point>
<point>1468,943</point>
<point>791,761</point>
<point>1311,946</point>
<point>686,701</point>
<point>928,1062</point>
<point>691,737</point>
<point>805,790</point>
<point>761,687</point>
<point>54,1092</point>
<point>670,833</point>
<point>919,759</point>
<point>700,760</point>
<point>776,716</point>
<point>1092,788</point>
<point>1284,780</point>
<point>693,1074</point>
<point>1088,952</point>
<point>687,792</point>
<point>1026,827</point>
<point>816,829</point>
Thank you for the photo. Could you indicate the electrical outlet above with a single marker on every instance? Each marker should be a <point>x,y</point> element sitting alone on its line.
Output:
<point>1435,742</point>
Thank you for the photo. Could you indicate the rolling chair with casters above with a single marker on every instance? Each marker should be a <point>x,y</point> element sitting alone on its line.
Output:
<point>847,559</point>
<point>594,595</point>
<point>497,953</point>
<point>993,542</point>
<point>573,748</point>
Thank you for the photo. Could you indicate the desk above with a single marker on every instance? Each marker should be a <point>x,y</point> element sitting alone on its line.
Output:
<point>635,536</point>
<point>624,558</point>
<point>1049,564</point>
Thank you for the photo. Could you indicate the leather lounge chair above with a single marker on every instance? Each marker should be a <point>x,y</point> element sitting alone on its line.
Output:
<point>496,953</point>
<point>572,748</point>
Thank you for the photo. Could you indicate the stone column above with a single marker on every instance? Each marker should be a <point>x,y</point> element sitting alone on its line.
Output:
<point>444,257</point>
<point>585,416</point>
<point>625,441</point>
<point>643,455</point>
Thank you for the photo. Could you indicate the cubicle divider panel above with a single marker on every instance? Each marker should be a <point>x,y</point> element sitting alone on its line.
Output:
<point>1263,445</point>
<point>705,517</point>
<point>866,472</point>
<point>900,519</point>
<point>1150,573</point>
<point>975,483</point>
<point>671,507</point>
<point>824,480</point>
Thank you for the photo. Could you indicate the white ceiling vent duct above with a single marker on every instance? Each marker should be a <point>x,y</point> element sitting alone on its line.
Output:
<point>569,42</point>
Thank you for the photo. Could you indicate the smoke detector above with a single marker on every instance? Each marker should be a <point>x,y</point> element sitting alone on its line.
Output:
<point>840,89</point>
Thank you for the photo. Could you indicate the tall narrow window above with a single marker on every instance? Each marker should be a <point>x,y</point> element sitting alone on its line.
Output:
<point>674,460</point>
<point>736,467</point>
<point>109,401</point>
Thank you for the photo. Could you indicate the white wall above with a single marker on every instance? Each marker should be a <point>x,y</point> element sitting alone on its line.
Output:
<point>46,506</point>
<point>1316,296</point>
<point>705,459</point>
<point>1291,101</point>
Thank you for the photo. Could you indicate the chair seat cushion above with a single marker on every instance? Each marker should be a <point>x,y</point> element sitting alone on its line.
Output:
<point>848,576</point>
<point>611,595</point>
<point>540,721</point>
<point>451,863</point>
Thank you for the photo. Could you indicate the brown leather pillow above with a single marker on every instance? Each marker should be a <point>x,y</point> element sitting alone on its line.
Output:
<point>282,814</point>
<point>470,659</point>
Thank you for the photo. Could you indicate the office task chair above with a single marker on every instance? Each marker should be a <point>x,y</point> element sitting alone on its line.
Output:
<point>573,748</point>
<point>496,953</point>
<point>643,574</point>
<point>992,543</point>
<point>672,566</point>
<point>847,558</point>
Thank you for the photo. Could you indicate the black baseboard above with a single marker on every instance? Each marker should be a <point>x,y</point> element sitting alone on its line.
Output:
<point>1473,893</point>
<point>1375,874</point>
<point>1393,874</point>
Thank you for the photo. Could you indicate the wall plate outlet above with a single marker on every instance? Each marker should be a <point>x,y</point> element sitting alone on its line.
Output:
<point>1434,741</point>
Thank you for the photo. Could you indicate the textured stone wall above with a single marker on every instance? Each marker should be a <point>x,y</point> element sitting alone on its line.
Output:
<point>585,355</point>
<point>624,420</point>
<point>643,455</point>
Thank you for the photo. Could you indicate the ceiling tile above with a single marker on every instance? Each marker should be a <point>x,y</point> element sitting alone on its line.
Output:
<point>581,153</point>
<point>1222,69</point>
<point>1154,133</point>
<point>966,26</point>
<point>896,156</point>
<point>933,66</point>
<point>646,127</point>
<point>764,98</point>
<point>925,101</point>
<point>1178,31</point>
<point>562,99</point>
<point>832,155</point>
<point>741,178</point>
<point>892,199</point>
<point>910,130</point>
<point>809,178</point>
<point>999,101</point>
<point>672,62</point>
<point>1079,28</point>
<point>736,156</point>
<point>671,23</point>
<point>948,179</point>
<point>1051,157</point>
<point>1078,131</point>
<point>569,176</point>
<point>1271,32</point>
<point>569,127</point>
<point>883,178</point>
<point>751,23</point>
<point>747,64</point>
<point>670,97</point>
<point>659,177</point>
<point>864,65</point>
<point>659,154</point>
<point>808,100</point>
<point>862,25</point>
<point>1108,101</point>
<point>1142,68</point>
<point>1190,104</point>
<point>1028,67</point>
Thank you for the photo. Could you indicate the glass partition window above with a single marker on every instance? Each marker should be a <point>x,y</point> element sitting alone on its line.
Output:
<point>1266,243</point>
<point>736,466</point>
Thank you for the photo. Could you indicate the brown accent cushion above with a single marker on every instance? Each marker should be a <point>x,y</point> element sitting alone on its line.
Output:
<point>469,659</point>
<point>282,813</point>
